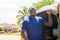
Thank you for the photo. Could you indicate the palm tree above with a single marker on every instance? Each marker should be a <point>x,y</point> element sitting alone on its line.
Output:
<point>21,15</point>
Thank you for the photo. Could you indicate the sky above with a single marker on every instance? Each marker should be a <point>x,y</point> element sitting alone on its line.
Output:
<point>9,9</point>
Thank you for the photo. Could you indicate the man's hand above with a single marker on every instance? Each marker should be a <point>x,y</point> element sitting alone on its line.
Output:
<point>48,12</point>
<point>24,35</point>
<point>26,39</point>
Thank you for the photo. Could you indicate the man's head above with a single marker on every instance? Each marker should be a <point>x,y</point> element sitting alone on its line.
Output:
<point>32,11</point>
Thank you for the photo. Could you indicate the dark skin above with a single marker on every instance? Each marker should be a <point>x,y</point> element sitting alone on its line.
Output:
<point>32,12</point>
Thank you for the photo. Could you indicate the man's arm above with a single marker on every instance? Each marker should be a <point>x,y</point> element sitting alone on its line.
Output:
<point>24,34</point>
<point>49,23</point>
<point>23,31</point>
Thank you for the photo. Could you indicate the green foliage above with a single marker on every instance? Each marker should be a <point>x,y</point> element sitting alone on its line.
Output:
<point>1,29</point>
<point>42,3</point>
<point>22,14</point>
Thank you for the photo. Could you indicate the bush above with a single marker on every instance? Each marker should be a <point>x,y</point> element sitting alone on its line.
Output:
<point>1,29</point>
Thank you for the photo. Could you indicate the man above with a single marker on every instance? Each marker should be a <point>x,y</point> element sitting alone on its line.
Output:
<point>32,25</point>
<point>48,31</point>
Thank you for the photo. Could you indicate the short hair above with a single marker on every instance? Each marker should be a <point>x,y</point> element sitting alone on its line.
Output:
<point>32,8</point>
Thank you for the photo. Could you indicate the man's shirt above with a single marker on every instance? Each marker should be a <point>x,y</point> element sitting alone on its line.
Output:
<point>33,26</point>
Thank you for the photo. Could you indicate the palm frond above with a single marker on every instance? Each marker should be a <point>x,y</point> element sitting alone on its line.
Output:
<point>18,16</point>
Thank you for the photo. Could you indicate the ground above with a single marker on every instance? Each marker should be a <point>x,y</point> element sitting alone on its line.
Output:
<point>10,36</point>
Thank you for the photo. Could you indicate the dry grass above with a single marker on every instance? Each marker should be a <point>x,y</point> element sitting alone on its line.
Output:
<point>16,33</point>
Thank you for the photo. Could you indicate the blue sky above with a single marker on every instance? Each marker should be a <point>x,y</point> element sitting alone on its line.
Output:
<point>9,9</point>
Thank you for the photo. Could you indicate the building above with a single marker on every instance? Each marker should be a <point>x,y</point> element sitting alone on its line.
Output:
<point>10,28</point>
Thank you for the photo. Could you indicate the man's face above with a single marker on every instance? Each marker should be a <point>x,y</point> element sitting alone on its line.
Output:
<point>32,12</point>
